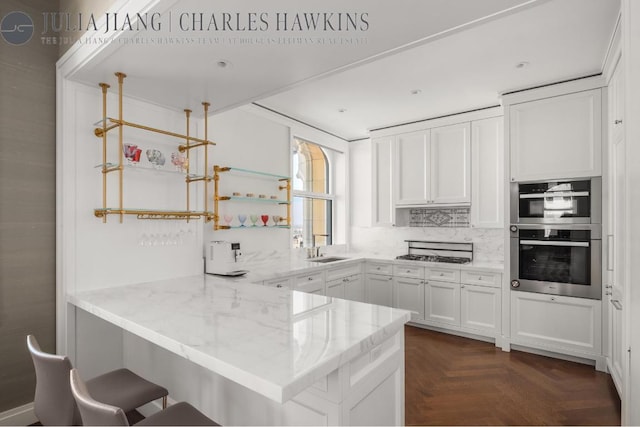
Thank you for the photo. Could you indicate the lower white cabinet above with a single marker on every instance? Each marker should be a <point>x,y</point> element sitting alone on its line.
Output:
<point>480,308</point>
<point>281,282</point>
<point>354,288</point>
<point>442,302</point>
<point>379,289</point>
<point>562,324</point>
<point>312,283</point>
<point>409,295</point>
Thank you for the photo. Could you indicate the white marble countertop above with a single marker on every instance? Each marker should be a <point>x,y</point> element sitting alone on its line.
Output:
<point>276,342</point>
<point>286,266</point>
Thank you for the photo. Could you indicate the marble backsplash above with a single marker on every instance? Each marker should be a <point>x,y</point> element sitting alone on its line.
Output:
<point>488,243</point>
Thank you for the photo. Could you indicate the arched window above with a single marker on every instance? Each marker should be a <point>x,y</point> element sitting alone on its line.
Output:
<point>312,199</point>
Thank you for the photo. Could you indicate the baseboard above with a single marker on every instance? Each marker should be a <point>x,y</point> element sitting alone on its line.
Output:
<point>20,416</point>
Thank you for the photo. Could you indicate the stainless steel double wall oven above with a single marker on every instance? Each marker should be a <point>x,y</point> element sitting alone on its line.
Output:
<point>556,237</point>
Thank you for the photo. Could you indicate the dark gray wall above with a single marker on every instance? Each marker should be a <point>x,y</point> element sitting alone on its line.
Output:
<point>27,203</point>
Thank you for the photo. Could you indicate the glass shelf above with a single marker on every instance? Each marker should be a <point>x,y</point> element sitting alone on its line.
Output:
<point>252,172</point>
<point>254,199</point>
<point>250,227</point>
<point>146,169</point>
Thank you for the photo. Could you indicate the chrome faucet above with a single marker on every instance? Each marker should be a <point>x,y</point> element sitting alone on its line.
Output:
<point>315,250</point>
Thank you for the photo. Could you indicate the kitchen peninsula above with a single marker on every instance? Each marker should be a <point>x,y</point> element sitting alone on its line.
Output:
<point>251,354</point>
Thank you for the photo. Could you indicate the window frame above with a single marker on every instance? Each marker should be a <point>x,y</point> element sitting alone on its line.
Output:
<point>329,195</point>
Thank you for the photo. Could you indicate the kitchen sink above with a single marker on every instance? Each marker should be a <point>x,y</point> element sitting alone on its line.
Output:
<point>324,260</point>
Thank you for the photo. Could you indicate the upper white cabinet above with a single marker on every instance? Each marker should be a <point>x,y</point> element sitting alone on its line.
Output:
<point>413,167</point>
<point>383,154</point>
<point>557,137</point>
<point>433,166</point>
<point>451,164</point>
<point>487,173</point>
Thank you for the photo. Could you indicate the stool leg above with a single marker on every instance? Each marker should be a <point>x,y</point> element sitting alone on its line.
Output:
<point>164,402</point>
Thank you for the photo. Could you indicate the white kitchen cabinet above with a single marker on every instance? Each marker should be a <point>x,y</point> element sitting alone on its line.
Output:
<point>409,295</point>
<point>480,308</point>
<point>383,157</point>
<point>561,324</point>
<point>442,302</point>
<point>433,166</point>
<point>451,164</point>
<point>280,282</point>
<point>376,267</point>
<point>354,288</point>
<point>557,137</point>
<point>487,173</point>
<point>614,262</point>
<point>379,289</point>
<point>413,166</point>
<point>616,103</point>
<point>618,353</point>
<point>312,283</point>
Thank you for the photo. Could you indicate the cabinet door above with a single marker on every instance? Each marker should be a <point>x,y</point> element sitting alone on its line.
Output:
<point>487,173</point>
<point>354,288</point>
<point>442,302</point>
<point>562,324</point>
<point>335,288</point>
<point>409,295</point>
<point>618,352</point>
<point>451,164</point>
<point>312,283</point>
<point>480,308</point>
<point>556,138</point>
<point>379,289</point>
<point>282,282</point>
<point>413,168</point>
<point>383,157</point>
<point>616,103</point>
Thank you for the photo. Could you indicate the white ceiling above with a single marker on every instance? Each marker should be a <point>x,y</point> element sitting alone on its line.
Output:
<point>460,53</point>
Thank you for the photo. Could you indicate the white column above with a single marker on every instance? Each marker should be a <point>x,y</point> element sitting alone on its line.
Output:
<point>631,52</point>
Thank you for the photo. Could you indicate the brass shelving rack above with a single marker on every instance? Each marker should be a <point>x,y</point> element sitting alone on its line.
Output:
<point>190,142</point>
<point>285,185</point>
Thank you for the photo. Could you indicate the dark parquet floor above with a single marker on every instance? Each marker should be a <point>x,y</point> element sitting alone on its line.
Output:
<point>451,380</point>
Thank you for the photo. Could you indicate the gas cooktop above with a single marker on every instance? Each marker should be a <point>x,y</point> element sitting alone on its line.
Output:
<point>435,258</point>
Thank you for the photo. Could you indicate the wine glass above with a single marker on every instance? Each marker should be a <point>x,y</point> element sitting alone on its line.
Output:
<point>228,219</point>
<point>242,218</point>
<point>254,219</point>
<point>265,219</point>
<point>276,219</point>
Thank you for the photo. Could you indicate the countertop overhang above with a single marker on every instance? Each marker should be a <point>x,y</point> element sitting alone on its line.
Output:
<point>276,342</point>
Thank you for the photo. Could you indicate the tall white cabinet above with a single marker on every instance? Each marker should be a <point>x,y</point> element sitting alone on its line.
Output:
<point>614,260</point>
<point>382,150</point>
<point>487,173</point>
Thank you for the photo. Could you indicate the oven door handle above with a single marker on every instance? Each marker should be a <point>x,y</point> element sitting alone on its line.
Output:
<point>554,243</point>
<point>555,194</point>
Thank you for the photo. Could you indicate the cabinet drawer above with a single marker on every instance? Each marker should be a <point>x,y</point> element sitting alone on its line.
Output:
<point>279,283</point>
<point>404,270</point>
<point>442,274</point>
<point>379,268</point>
<point>309,279</point>
<point>341,272</point>
<point>481,278</point>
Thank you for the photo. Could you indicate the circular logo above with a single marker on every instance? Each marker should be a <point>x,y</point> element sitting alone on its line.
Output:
<point>16,28</point>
